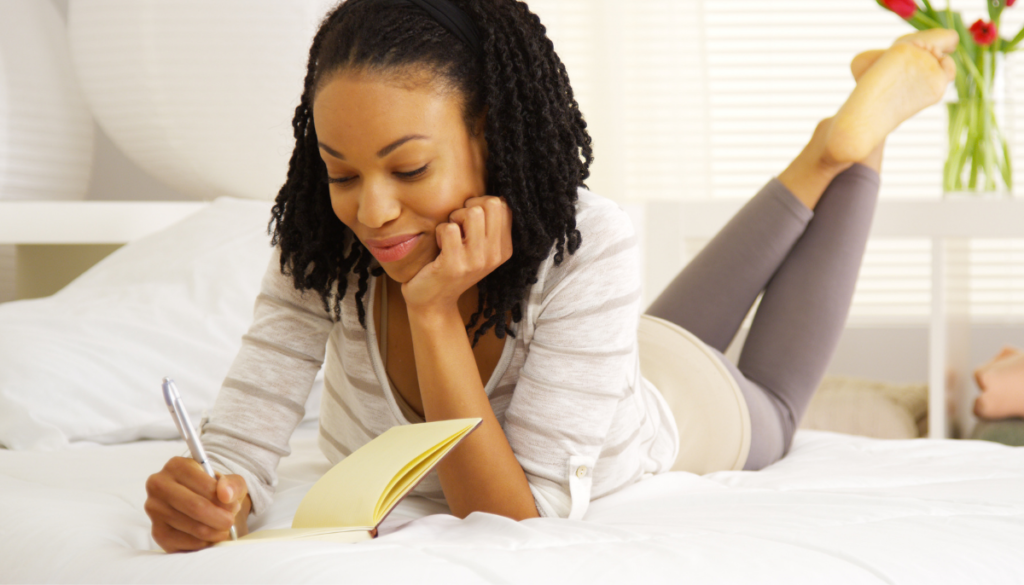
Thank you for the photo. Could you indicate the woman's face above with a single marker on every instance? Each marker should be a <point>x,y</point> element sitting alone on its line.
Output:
<point>399,160</point>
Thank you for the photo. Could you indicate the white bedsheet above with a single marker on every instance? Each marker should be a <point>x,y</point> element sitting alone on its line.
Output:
<point>837,509</point>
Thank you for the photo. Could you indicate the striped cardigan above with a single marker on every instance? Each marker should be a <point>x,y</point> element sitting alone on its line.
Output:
<point>567,389</point>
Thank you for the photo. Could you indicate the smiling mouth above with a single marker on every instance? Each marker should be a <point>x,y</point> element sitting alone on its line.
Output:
<point>392,249</point>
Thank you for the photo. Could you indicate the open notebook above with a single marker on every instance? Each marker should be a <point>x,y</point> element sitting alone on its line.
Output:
<point>353,498</point>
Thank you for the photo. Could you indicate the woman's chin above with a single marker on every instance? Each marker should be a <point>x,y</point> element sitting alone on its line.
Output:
<point>404,270</point>
<point>398,274</point>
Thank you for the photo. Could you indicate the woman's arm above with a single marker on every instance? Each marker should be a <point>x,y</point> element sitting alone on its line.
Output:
<point>482,474</point>
<point>258,407</point>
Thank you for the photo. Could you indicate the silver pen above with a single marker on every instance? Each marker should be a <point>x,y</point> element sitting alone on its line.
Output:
<point>187,431</point>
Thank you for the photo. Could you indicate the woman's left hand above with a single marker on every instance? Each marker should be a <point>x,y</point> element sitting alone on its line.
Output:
<point>476,240</point>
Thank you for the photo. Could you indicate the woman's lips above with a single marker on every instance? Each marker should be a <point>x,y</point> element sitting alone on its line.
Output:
<point>392,249</point>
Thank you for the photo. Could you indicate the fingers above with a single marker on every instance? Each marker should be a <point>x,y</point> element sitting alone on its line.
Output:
<point>476,239</point>
<point>497,223</point>
<point>449,238</point>
<point>474,227</point>
<point>188,527</point>
<point>172,540</point>
<point>184,506</point>
<point>231,489</point>
<point>195,506</point>
<point>191,475</point>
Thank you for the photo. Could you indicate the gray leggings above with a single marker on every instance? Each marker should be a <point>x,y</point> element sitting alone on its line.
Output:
<point>806,263</point>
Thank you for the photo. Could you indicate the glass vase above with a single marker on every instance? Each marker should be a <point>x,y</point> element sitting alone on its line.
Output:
<point>978,160</point>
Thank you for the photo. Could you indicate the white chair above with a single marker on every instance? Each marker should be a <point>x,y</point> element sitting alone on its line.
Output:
<point>710,411</point>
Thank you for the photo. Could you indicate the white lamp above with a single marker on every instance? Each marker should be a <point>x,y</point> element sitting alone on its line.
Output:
<point>46,131</point>
<point>200,94</point>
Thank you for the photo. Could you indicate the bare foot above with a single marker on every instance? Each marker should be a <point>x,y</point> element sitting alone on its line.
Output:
<point>908,77</point>
<point>858,67</point>
<point>863,61</point>
<point>1002,386</point>
<point>1008,351</point>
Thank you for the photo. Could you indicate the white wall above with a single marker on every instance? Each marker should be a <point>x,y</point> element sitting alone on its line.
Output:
<point>894,353</point>
<point>114,176</point>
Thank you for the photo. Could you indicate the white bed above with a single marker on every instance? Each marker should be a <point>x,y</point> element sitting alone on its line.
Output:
<point>837,509</point>
<point>84,425</point>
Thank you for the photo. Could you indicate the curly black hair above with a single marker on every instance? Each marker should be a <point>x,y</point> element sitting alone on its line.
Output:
<point>539,151</point>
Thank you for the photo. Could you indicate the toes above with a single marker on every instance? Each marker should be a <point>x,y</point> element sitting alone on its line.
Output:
<point>938,41</point>
<point>942,39</point>
<point>947,40</point>
<point>948,67</point>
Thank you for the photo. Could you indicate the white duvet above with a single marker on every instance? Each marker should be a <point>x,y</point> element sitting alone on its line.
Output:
<point>837,509</point>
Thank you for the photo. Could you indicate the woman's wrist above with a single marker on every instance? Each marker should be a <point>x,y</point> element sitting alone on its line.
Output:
<point>434,316</point>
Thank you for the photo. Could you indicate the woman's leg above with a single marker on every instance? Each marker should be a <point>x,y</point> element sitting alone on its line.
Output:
<point>711,296</point>
<point>806,264</point>
<point>806,267</point>
<point>804,308</point>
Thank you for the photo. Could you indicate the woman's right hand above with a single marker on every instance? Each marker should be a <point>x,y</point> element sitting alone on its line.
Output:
<point>191,510</point>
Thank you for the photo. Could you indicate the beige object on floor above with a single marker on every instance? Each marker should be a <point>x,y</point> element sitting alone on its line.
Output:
<point>869,408</point>
<point>710,411</point>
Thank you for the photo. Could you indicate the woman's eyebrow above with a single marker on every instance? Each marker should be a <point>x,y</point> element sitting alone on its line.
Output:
<point>382,152</point>
<point>391,147</point>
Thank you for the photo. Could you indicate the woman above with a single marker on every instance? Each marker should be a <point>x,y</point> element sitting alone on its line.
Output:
<point>434,245</point>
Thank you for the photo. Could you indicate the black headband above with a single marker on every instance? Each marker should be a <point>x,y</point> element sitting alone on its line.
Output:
<point>453,19</point>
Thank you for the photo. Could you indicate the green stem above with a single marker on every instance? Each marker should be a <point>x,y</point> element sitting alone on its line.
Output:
<point>987,146</point>
<point>979,79</point>
<point>1012,46</point>
<point>957,148</point>
<point>1004,162</point>
<point>973,143</point>
<point>925,19</point>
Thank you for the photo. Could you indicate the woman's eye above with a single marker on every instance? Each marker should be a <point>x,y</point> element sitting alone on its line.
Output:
<point>412,174</point>
<point>339,179</point>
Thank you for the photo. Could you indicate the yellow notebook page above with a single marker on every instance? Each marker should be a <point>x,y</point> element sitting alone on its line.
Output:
<point>344,535</point>
<point>360,489</point>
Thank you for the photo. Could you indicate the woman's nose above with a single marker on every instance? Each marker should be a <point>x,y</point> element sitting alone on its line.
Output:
<point>378,205</point>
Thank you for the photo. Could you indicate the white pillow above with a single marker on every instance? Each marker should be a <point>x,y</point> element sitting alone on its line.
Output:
<point>86,363</point>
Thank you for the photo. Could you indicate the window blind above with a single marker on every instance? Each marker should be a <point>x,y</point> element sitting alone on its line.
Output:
<point>690,99</point>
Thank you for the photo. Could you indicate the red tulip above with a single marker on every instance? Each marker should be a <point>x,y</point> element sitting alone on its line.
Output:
<point>1010,2</point>
<point>984,33</point>
<point>905,8</point>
